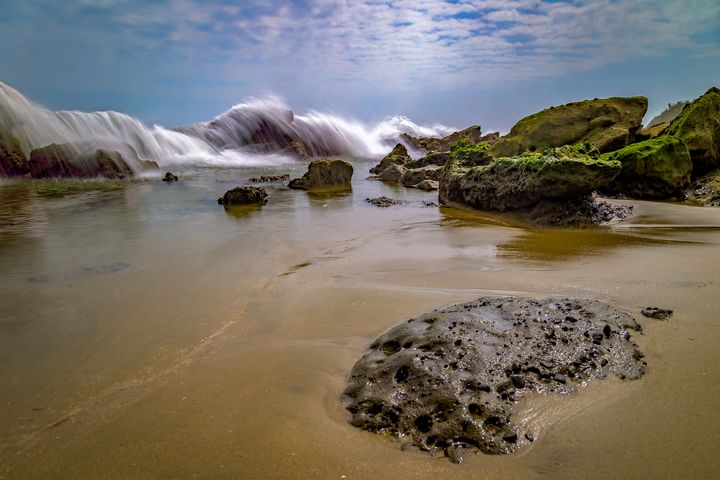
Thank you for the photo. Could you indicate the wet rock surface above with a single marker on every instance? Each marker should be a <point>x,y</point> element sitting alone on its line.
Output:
<point>579,212</point>
<point>170,177</point>
<point>390,202</point>
<point>270,178</point>
<point>244,196</point>
<point>657,313</point>
<point>325,175</point>
<point>447,381</point>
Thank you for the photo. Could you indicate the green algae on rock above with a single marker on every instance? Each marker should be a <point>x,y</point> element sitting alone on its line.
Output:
<point>472,134</point>
<point>447,381</point>
<point>608,124</point>
<point>509,183</point>
<point>325,175</point>
<point>698,125</point>
<point>656,168</point>
<point>471,154</point>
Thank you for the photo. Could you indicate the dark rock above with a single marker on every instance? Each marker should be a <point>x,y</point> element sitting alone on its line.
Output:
<point>170,177</point>
<point>509,183</point>
<point>698,126</point>
<point>270,178</point>
<point>453,375</point>
<point>389,202</point>
<point>77,160</point>
<point>657,313</point>
<point>427,185</point>
<point>472,134</point>
<point>705,190</point>
<point>608,124</point>
<point>410,178</point>
<point>392,173</point>
<point>437,158</point>
<point>656,168</point>
<point>13,161</point>
<point>244,196</point>
<point>325,175</point>
<point>576,213</point>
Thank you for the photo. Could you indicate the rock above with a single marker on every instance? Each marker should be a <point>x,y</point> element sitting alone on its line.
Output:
<point>563,173</point>
<point>437,158</point>
<point>657,313</point>
<point>607,124</point>
<point>577,213</point>
<point>392,173</point>
<point>656,168</point>
<point>244,196</point>
<point>389,202</point>
<point>698,126</point>
<point>325,175</point>
<point>397,156</point>
<point>13,161</point>
<point>270,178</point>
<point>77,160</point>
<point>428,185</point>
<point>471,155</point>
<point>170,177</point>
<point>668,115</point>
<point>472,134</point>
<point>705,190</point>
<point>412,177</point>
<point>450,378</point>
<point>651,132</point>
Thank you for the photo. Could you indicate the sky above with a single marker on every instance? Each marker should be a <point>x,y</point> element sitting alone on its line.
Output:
<point>457,62</point>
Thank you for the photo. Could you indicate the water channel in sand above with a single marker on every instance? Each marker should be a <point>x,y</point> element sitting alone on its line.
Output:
<point>145,332</point>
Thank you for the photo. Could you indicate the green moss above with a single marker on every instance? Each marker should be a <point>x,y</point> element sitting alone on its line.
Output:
<point>470,154</point>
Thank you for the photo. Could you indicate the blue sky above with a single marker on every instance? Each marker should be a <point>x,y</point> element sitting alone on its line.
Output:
<point>457,62</point>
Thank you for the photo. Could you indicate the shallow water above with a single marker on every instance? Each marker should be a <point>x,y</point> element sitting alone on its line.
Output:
<point>147,332</point>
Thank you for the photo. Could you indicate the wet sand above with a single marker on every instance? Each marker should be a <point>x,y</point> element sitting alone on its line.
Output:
<point>220,345</point>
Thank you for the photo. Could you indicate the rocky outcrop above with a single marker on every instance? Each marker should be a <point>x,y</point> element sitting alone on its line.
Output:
<point>449,380</point>
<point>13,161</point>
<point>170,177</point>
<point>397,156</point>
<point>698,125</point>
<point>579,212</point>
<point>705,190</point>
<point>412,177</point>
<point>325,175</point>
<point>608,124</point>
<point>437,158</point>
<point>509,183</point>
<point>244,196</point>
<point>77,160</point>
<point>471,134</point>
<point>656,168</point>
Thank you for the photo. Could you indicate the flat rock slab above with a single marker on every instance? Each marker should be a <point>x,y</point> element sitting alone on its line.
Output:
<point>447,381</point>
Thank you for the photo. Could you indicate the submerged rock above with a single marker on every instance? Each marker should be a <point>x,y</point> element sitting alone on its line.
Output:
<point>270,178</point>
<point>77,160</point>
<point>698,126</point>
<point>244,196</point>
<point>608,124</point>
<point>577,213</point>
<point>450,378</point>
<point>170,177</point>
<point>384,202</point>
<point>563,173</point>
<point>325,175</point>
<point>656,168</point>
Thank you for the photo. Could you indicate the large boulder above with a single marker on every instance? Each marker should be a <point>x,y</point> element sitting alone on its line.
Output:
<point>509,183</point>
<point>13,161</point>
<point>77,160</point>
<point>656,168</point>
<point>698,125</point>
<point>244,196</point>
<point>412,177</point>
<point>607,124</point>
<point>449,381</point>
<point>393,173</point>
<point>397,156</point>
<point>436,158</point>
<point>325,175</point>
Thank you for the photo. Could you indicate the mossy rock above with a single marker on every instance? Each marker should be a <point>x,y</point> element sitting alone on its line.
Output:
<point>656,168</point>
<point>13,161</point>
<point>472,134</point>
<point>77,160</point>
<point>698,125</point>
<point>469,154</point>
<point>608,124</point>
<point>325,175</point>
<point>244,196</point>
<point>397,156</point>
<point>510,183</point>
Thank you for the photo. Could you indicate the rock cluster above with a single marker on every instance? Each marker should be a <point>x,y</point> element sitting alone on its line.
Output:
<point>448,381</point>
<point>270,178</point>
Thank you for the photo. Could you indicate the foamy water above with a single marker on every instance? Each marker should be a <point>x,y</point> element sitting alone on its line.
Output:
<point>257,132</point>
